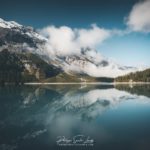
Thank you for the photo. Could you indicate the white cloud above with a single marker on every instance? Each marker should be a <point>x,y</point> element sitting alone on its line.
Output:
<point>65,40</point>
<point>139,17</point>
<point>92,37</point>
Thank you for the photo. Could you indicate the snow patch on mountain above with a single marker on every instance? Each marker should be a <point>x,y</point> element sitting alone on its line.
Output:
<point>29,31</point>
<point>10,24</point>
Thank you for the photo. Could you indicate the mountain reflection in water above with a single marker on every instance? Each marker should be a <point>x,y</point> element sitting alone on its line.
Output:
<point>32,117</point>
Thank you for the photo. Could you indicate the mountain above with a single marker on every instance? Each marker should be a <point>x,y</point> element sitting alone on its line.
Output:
<point>24,67</point>
<point>22,44</point>
<point>139,76</point>
<point>88,63</point>
<point>92,63</point>
<point>19,38</point>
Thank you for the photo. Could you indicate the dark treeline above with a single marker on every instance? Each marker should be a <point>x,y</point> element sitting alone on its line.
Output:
<point>140,76</point>
<point>11,68</point>
<point>104,79</point>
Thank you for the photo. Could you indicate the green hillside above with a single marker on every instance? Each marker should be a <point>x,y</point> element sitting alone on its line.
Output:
<point>13,68</point>
<point>63,77</point>
<point>43,67</point>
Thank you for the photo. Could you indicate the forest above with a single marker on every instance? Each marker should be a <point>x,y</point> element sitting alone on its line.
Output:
<point>140,76</point>
<point>11,68</point>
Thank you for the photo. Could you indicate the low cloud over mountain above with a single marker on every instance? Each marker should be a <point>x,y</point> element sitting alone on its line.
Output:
<point>74,49</point>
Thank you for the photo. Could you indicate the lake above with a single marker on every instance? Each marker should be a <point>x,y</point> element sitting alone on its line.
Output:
<point>52,117</point>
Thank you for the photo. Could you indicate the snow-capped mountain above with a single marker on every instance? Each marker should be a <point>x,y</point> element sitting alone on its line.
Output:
<point>19,38</point>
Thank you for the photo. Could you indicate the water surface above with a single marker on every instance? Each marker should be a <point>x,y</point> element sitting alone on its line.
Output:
<point>75,117</point>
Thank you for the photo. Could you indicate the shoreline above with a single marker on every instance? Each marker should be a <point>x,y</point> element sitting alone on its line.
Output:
<point>87,83</point>
<point>81,83</point>
<point>131,83</point>
<point>62,83</point>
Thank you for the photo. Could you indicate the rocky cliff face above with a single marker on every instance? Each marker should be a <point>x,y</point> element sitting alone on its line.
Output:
<point>19,38</point>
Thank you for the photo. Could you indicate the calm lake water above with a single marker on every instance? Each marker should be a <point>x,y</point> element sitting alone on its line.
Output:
<point>75,117</point>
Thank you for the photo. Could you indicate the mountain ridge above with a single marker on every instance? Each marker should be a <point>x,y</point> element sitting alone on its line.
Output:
<point>20,39</point>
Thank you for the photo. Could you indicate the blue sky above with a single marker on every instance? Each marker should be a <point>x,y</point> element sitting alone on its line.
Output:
<point>132,49</point>
<point>128,49</point>
<point>73,13</point>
